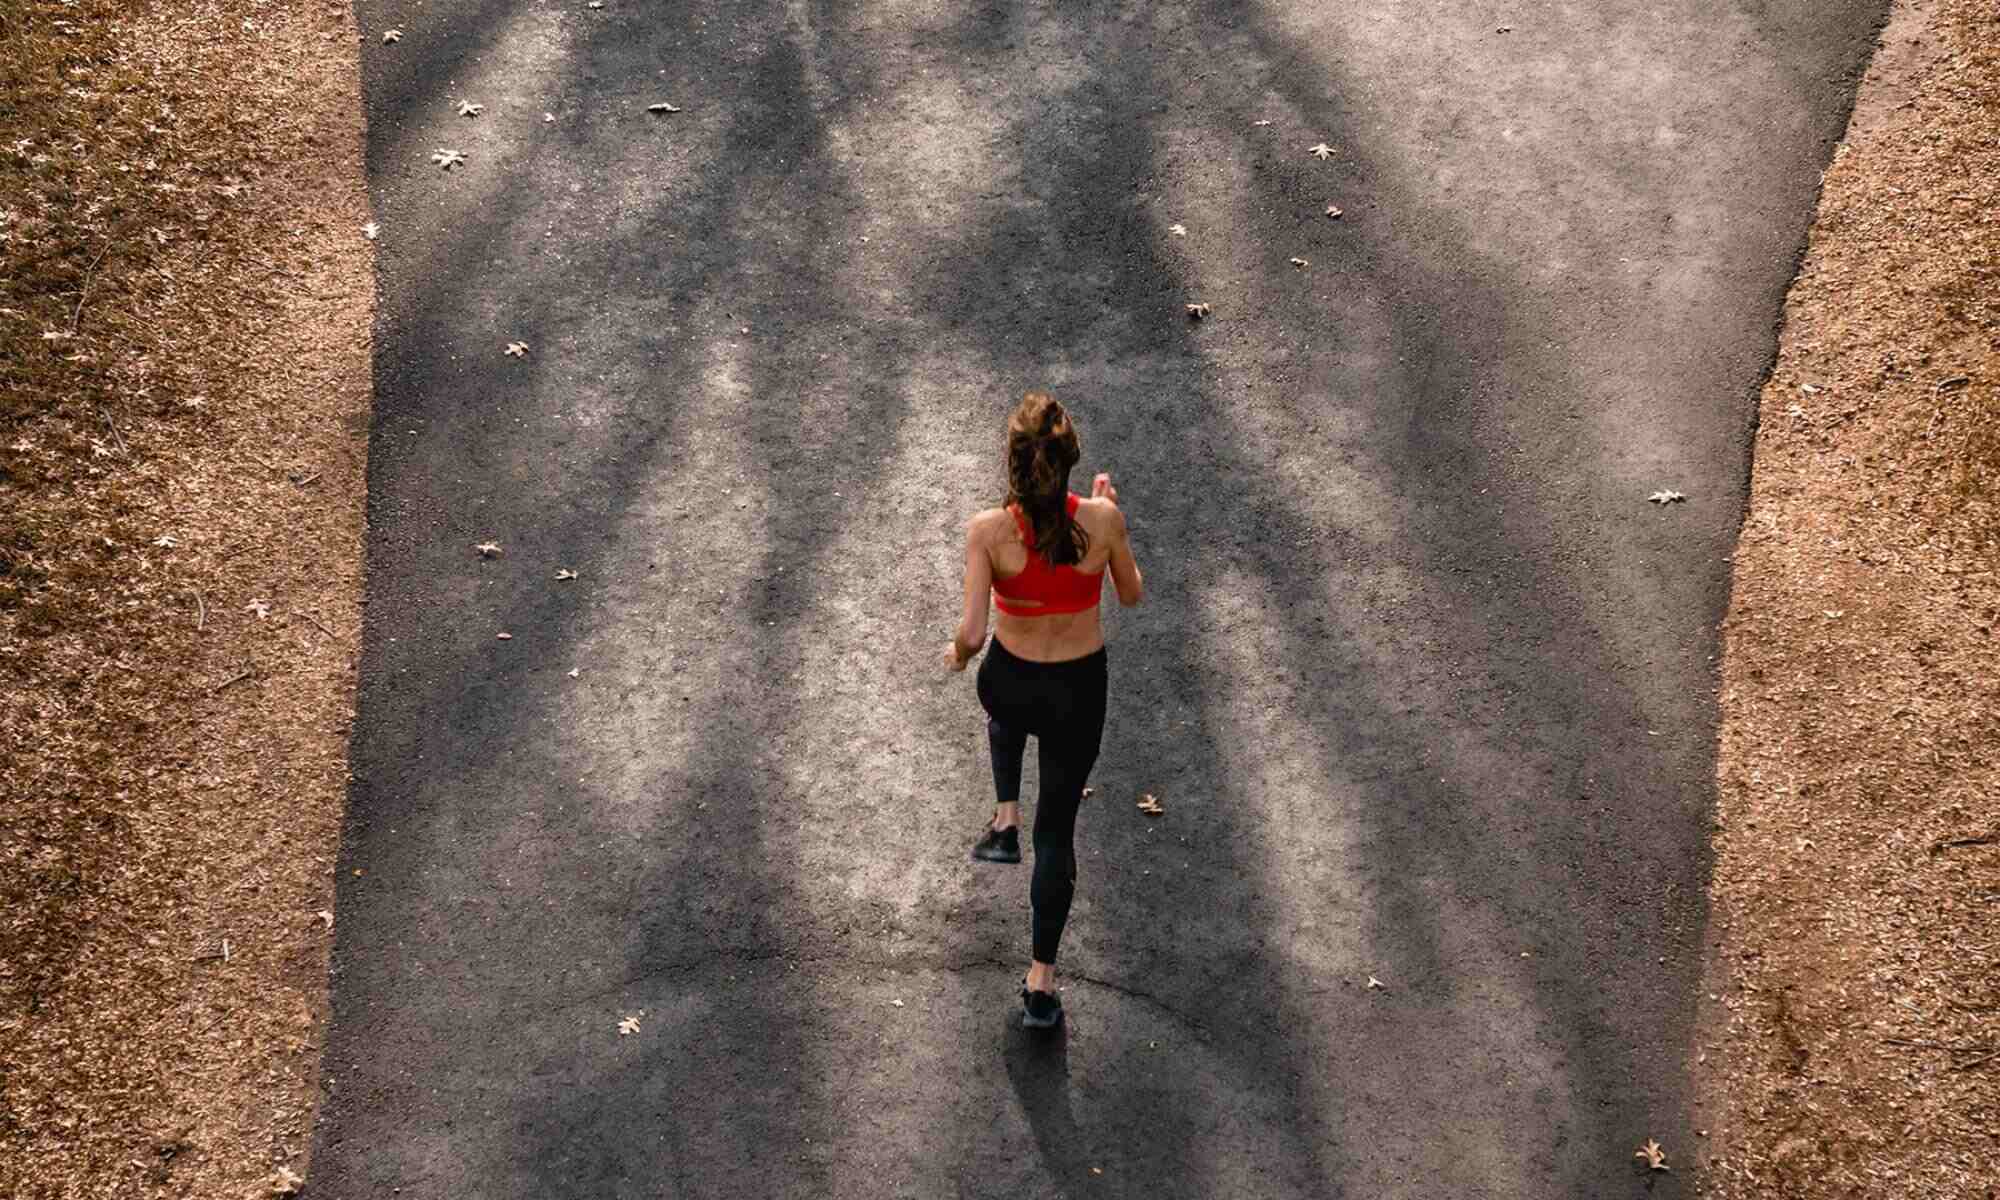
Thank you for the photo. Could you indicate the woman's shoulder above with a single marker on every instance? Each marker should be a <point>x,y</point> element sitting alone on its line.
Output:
<point>989,524</point>
<point>1098,514</point>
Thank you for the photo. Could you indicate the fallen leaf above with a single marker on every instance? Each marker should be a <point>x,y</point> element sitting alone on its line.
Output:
<point>506,637</point>
<point>896,1003</point>
<point>1177,230</point>
<point>662,107</point>
<point>1809,389</point>
<point>261,607</point>
<point>1197,311</point>
<point>1333,211</point>
<point>565,573</point>
<point>286,1182</point>
<point>1665,497</point>
<point>547,117</point>
<point>517,350</point>
<point>1150,805</point>
<point>370,230</point>
<point>595,4</point>
<point>1260,124</point>
<point>1321,151</point>
<point>165,541</point>
<point>489,549</point>
<point>629,1025</point>
<point>1375,984</point>
<point>1505,29</point>
<point>326,915</point>
<point>1656,1158</point>
<point>1088,792</point>
<point>447,159</point>
<point>467,108</point>
<point>391,35</point>
<point>573,672</point>
<point>1300,262</point>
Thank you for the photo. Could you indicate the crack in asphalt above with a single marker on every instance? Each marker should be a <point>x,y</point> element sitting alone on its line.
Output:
<point>721,958</point>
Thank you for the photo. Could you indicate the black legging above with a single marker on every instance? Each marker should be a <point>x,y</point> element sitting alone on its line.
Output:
<point>1062,705</point>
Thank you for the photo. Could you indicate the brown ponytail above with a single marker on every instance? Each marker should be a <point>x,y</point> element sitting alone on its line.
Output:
<point>1042,446</point>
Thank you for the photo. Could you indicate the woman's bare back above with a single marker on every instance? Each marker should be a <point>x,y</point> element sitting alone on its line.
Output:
<point>1055,637</point>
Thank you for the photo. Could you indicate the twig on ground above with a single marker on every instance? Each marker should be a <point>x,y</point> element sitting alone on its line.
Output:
<point>115,435</point>
<point>1982,1059</point>
<point>1959,1048</point>
<point>316,625</point>
<point>1984,839</point>
<point>233,679</point>
<point>200,611</point>
<point>84,293</point>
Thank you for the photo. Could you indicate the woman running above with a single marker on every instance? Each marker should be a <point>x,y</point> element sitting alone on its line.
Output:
<point>1043,556</point>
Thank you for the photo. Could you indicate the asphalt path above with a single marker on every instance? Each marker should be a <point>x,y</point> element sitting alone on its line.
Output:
<point>1423,681</point>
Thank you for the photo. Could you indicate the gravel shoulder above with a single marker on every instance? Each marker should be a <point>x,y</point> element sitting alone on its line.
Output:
<point>1851,1014</point>
<point>185,301</point>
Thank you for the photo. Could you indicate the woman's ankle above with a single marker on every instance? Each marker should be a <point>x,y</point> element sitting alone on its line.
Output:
<point>1041,977</point>
<point>1006,816</point>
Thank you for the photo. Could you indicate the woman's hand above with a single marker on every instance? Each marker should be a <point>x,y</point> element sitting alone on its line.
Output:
<point>956,655</point>
<point>1101,489</point>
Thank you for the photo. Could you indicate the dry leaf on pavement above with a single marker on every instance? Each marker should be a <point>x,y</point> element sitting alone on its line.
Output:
<point>467,108</point>
<point>517,350</point>
<point>1321,151</point>
<point>1197,311</point>
<point>1656,1158</point>
<point>629,1025</point>
<point>1376,985</point>
<point>1177,230</point>
<point>663,107</point>
<point>447,159</point>
<point>1150,805</point>
<point>370,230</point>
<point>286,1182</point>
<point>1665,497</point>
<point>1300,262</point>
<point>488,549</point>
<point>1333,210</point>
<point>261,607</point>
<point>565,573</point>
<point>391,35</point>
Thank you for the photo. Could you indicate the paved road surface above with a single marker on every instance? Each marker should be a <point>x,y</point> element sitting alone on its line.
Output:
<point>1423,681</point>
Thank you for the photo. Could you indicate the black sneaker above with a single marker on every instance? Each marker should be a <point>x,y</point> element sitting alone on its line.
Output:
<point>999,845</point>
<point>1040,1010</point>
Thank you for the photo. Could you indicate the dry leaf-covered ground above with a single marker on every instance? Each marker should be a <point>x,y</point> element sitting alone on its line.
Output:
<point>1853,1045</point>
<point>185,298</point>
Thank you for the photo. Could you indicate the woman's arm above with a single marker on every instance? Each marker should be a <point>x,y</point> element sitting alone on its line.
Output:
<point>1125,574</point>
<point>971,633</point>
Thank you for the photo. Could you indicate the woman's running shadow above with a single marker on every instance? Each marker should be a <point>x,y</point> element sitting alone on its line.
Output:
<point>1038,1068</point>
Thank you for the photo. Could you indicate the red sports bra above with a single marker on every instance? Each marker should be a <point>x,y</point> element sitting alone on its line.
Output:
<point>1061,589</point>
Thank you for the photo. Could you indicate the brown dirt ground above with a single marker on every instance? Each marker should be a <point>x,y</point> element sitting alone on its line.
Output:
<point>1851,1032</point>
<point>185,301</point>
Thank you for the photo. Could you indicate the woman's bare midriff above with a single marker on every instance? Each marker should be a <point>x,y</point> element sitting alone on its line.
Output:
<point>1057,637</point>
